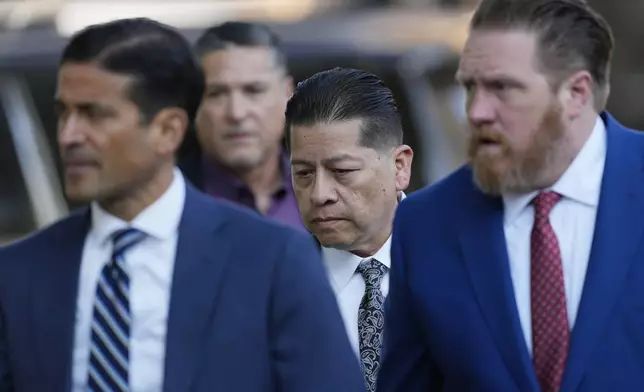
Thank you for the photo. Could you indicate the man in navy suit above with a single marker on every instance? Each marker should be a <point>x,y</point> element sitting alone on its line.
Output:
<point>156,287</point>
<point>524,270</point>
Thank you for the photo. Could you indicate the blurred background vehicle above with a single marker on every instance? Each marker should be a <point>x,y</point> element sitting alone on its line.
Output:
<point>413,45</point>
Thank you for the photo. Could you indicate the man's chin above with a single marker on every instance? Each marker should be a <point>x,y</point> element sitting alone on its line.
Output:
<point>333,241</point>
<point>490,180</point>
<point>243,161</point>
<point>77,194</point>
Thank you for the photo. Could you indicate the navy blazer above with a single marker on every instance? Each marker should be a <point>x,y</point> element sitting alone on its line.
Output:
<point>251,309</point>
<point>451,319</point>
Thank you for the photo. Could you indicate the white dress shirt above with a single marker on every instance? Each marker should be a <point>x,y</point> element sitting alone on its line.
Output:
<point>572,219</point>
<point>151,266</point>
<point>349,285</point>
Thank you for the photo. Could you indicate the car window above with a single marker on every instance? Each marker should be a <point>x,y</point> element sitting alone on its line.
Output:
<point>16,214</point>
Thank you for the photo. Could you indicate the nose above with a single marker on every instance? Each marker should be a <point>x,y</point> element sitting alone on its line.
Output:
<point>238,107</point>
<point>70,132</point>
<point>480,108</point>
<point>323,191</point>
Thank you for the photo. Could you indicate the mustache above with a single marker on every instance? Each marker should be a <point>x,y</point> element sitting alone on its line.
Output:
<point>484,136</point>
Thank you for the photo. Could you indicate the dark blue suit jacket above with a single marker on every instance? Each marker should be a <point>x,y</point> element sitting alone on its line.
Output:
<point>451,319</point>
<point>250,311</point>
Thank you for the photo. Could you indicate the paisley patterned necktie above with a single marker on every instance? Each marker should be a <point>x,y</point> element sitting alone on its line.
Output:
<point>371,320</point>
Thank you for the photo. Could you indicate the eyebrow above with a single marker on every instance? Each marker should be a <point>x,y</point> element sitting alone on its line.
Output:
<point>334,159</point>
<point>507,79</point>
<point>257,81</point>
<point>60,105</point>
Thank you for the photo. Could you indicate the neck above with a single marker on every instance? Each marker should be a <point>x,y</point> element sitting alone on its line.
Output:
<point>582,131</point>
<point>372,246</point>
<point>265,178</point>
<point>129,207</point>
<point>579,134</point>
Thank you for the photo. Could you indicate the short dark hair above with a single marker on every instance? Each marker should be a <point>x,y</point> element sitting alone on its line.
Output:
<point>243,34</point>
<point>343,94</point>
<point>158,57</point>
<point>572,36</point>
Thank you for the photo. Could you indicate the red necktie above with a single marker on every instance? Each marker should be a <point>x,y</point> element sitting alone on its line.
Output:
<point>550,329</point>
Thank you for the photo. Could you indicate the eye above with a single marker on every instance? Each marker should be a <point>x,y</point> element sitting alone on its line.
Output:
<point>255,90</point>
<point>468,86</point>
<point>498,86</point>
<point>342,172</point>
<point>95,114</point>
<point>216,92</point>
<point>303,173</point>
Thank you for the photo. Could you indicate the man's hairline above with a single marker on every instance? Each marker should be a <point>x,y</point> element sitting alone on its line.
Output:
<point>361,119</point>
<point>278,65</point>
<point>553,77</point>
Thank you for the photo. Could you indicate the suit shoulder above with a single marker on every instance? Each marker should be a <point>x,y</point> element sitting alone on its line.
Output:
<point>444,192</point>
<point>635,136</point>
<point>249,222</point>
<point>47,237</point>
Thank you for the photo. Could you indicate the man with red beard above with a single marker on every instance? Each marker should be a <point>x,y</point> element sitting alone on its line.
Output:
<point>524,270</point>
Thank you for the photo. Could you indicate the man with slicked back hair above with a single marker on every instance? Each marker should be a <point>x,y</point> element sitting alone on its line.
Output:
<point>350,169</point>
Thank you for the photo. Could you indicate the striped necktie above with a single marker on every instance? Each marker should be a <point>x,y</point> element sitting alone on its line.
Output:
<point>109,348</point>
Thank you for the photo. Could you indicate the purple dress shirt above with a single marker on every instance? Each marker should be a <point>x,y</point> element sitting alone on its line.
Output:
<point>221,184</point>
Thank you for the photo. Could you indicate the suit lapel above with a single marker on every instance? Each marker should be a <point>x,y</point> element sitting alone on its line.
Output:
<point>202,255</point>
<point>317,242</point>
<point>484,250</point>
<point>55,288</point>
<point>618,231</point>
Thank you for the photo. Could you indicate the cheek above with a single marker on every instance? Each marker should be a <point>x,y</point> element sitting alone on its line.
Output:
<point>519,127</point>
<point>211,113</point>
<point>130,153</point>
<point>366,197</point>
<point>300,192</point>
<point>303,203</point>
<point>270,114</point>
<point>209,123</point>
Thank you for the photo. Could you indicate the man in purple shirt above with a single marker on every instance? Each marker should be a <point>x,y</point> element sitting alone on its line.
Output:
<point>237,152</point>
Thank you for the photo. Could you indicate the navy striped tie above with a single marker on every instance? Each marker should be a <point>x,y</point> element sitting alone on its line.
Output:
<point>109,352</point>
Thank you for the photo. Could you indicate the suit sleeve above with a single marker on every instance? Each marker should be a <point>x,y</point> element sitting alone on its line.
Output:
<point>6,381</point>
<point>310,348</point>
<point>406,362</point>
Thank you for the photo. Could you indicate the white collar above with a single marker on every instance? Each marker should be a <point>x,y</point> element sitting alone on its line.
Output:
<point>342,265</point>
<point>158,220</point>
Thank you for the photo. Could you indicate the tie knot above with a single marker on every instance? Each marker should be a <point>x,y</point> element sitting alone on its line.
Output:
<point>125,238</point>
<point>544,202</point>
<point>372,271</point>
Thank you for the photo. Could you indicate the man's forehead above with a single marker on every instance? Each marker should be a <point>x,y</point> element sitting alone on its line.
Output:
<point>490,52</point>
<point>88,82</point>
<point>329,143</point>
<point>249,63</point>
<point>346,133</point>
